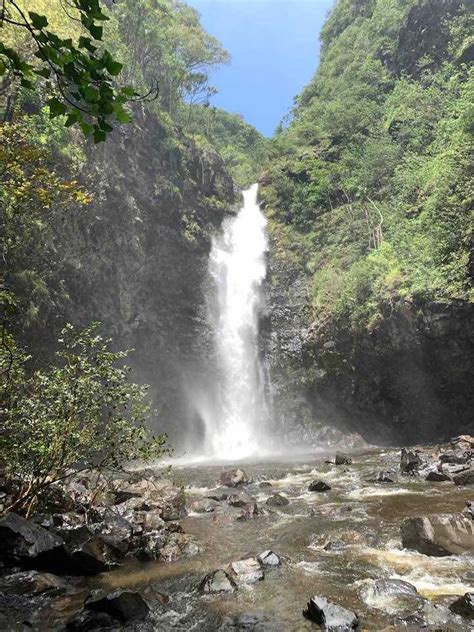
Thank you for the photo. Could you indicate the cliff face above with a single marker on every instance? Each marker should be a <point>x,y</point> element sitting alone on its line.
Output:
<point>368,196</point>
<point>138,260</point>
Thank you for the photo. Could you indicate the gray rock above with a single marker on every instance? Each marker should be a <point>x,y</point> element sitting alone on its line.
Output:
<point>124,605</point>
<point>32,583</point>
<point>342,459</point>
<point>234,478</point>
<point>26,543</point>
<point>249,511</point>
<point>409,461</point>
<point>466,477</point>
<point>456,457</point>
<point>277,500</point>
<point>269,558</point>
<point>436,476</point>
<point>247,571</point>
<point>265,485</point>
<point>438,534</point>
<point>319,486</point>
<point>330,616</point>
<point>89,553</point>
<point>217,582</point>
<point>464,606</point>
<point>469,509</point>
<point>206,505</point>
<point>239,499</point>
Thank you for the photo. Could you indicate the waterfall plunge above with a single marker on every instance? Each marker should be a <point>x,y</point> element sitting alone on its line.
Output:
<point>237,266</point>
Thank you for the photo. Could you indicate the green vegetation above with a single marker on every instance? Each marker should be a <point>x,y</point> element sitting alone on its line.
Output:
<point>78,74</point>
<point>242,147</point>
<point>79,415</point>
<point>369,191</point>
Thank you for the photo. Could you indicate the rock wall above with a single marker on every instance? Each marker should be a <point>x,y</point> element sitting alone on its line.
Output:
<point>138,260</point>
<point>407,380</point>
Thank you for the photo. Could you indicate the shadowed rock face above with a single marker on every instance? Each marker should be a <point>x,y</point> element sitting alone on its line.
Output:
<point>136,258</point>
<point>407,380</point>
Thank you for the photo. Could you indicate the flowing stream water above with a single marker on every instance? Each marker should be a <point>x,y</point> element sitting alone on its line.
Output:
<point>237,266</point>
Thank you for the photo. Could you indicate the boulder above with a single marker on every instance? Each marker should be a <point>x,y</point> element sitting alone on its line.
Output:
<point>393,596</point>
<point>115,530</point>
<point>205,505</point>
<point>463,442</point>
<point>89,621</point>
<point>277,500</point>
<point>466,477</point>
<point>265,485</point>
<point>239,499</point>
<point>173,505</point>
<point>247,571</point>
<point>24,543</point>
<point>217,582</point>
<point>123,605</point>
<point>233,478</point>
<point>342,459</point>
<point>89,553</point>
<point>319,486</point>
<point>249,511</point>
<point>464,606</point>
<point>437,476</point>
<point>32,583</point>
<point>469,509</point>
<point>179,545</point>
<point>409,461</point>
<point>383,477</point>
<point>454,457</point>
<point>438,534</point>
<point>330,616</point>
<point>269,558</point>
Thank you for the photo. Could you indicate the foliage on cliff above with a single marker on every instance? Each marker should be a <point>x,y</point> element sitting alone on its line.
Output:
<point>242,147</point>
<point>369,193</point>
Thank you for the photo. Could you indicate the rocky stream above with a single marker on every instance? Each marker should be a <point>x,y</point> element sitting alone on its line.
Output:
<point>365,538</point>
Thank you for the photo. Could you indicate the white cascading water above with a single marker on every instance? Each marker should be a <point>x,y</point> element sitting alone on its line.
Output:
<point>237,266</point>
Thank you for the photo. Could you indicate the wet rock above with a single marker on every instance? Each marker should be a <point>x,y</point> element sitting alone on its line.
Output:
<point>249,511</point>
<point>457,458</point>
<point>393,596</point>
<point>239,499</point>
<point>342,459</point>
<point>115,530</point>
<point>464,606</point>
<point>148,521</point>
<point>25,543</point>
<point>384,477</point>
<point>234,478</point>
<point>330,616</point>
<point>219,494</point>
<point>173,507</point>
<point>277,500</point>
<point>257,622</point>
<point>269,558</point>
<point>32,583</point>
<point>466,477</point>
<point>463,442</point>
<point>247,571</point>
<point>68,520</point>
<point>123,605</point>
<point>89,553</point>
<point>206,505</point>
<point>319,486</point>
<point>469,509</point>
<point>265,485</point>
<point>88,621</point>
<point>148,545</point>
<point>179,545</point>
<point>217,582</point>
<point>438,534</point>
<point>122,496</point>
<point>409,461</point>
<point>437,476</point>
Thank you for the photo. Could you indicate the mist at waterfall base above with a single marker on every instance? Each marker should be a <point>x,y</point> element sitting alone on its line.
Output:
<point>235,414</point>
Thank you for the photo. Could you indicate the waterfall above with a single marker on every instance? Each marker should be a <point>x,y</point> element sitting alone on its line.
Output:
<point>237,266</point>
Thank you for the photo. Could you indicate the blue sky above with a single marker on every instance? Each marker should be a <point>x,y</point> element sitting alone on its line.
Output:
<point>274,48</point>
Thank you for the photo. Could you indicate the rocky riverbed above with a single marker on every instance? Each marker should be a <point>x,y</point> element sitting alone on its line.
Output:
<point>368,538</point>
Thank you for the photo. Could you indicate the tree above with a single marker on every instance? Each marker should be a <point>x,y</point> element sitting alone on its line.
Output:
<point>81,415</point>
<point>80,75</point>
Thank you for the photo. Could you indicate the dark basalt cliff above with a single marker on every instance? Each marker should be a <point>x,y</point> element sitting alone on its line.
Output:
<point>138,260</point>
<point>407,379</point>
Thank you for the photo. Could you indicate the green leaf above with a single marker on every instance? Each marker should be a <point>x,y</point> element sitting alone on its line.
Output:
<point>26,83</point>
<point>56,107</point>
<point>43,72</point>
<point>99,135</point>
<point>95,31</point>
<point>86,128</point>
<point>38,21</point>
<point>114,67</point>
<point>122,116</point>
